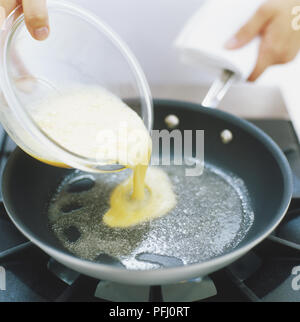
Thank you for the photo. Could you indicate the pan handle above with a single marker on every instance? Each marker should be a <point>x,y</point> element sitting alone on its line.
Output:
<point>219,88</point>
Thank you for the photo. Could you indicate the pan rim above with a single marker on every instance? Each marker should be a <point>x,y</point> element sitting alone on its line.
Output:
<point>165,275</point>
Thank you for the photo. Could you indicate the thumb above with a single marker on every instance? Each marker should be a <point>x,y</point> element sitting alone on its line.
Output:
<point>2,16</point>
<point>252,28</point>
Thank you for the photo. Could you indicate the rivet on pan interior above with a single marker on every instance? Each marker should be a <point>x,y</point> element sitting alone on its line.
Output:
<point>226,136</point>
<point>172,121</point>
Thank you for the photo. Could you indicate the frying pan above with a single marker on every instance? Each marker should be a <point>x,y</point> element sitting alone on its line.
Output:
<point>28,185</point>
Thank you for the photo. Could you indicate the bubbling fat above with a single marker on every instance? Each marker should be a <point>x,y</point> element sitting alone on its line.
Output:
<point>212,216</point>
<point>94,123</point>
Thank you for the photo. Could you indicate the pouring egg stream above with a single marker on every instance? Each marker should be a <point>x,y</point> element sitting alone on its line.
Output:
<point>94,123</point>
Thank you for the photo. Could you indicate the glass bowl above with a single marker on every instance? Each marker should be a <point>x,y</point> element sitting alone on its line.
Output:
<point>80,49</point>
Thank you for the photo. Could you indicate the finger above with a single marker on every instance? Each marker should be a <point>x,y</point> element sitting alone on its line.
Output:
<point>252,28</point>
<point>9,5</point>
<point>2,16</point>
<point>36,18</point>
<point>264,60</point>
<point>6,7</point>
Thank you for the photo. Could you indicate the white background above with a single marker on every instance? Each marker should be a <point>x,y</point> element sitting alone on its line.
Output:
<point>150,28</point>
